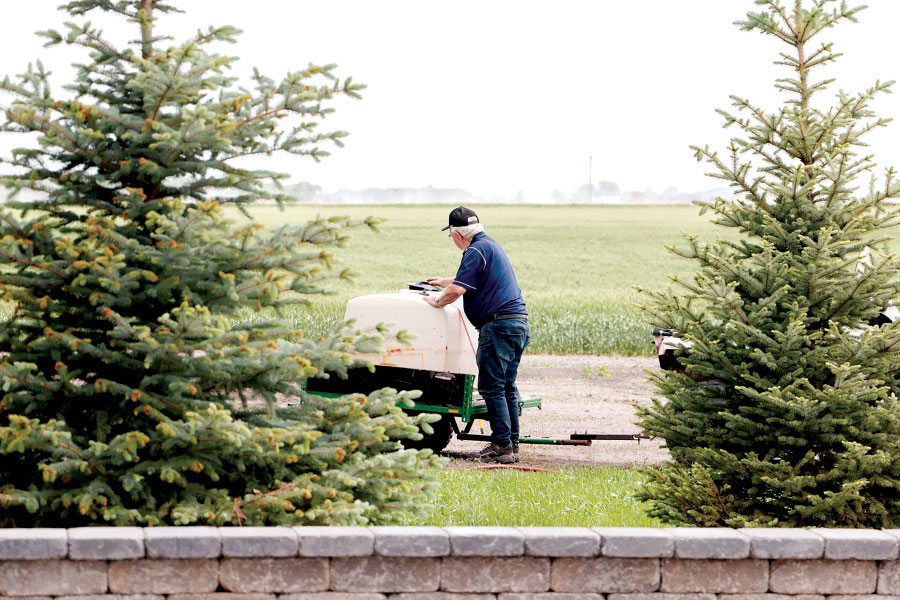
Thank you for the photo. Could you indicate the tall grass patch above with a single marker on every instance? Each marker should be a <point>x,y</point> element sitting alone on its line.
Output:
<point>576,497</point>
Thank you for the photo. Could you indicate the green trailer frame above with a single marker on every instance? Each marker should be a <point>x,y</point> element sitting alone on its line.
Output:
<point>465,408</point>
<point>470,411</point>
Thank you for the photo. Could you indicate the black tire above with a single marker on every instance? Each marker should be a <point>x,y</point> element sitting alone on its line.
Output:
<point>437,441</point>
<point>669,362</point>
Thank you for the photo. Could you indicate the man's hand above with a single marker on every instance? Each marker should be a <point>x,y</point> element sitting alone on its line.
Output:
<point>440,282</point>
<point>449,296</point>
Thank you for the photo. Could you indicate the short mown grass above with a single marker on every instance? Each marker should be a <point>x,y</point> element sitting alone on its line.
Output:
<point>570,497</point>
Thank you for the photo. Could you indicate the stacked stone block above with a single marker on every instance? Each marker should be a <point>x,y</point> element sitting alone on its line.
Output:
<point>454,563</point>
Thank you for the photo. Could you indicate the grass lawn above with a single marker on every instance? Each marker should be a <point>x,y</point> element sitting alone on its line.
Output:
<point>576,265</point>
<point>573,497</point>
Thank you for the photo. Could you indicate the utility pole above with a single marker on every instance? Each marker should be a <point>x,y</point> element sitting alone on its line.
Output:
<point>590,179</point>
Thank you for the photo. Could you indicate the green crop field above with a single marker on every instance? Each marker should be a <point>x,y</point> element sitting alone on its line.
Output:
<point>576,265</point>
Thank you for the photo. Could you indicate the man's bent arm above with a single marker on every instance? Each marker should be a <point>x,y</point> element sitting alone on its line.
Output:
<point>449,296</point>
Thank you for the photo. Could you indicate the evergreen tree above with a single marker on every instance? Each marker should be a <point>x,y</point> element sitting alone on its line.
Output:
<point>131,391</point>
<point>786,414</point>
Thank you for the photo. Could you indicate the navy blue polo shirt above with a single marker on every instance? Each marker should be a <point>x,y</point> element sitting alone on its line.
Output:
<point>489,281</point>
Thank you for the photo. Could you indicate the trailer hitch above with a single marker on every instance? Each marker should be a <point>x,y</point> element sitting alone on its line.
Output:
<point>637,437</point>
<point>576,439</point>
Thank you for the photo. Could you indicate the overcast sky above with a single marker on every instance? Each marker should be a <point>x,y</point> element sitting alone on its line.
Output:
<point>498,96</point>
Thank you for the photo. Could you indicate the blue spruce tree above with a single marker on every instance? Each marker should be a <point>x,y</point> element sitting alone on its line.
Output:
<point>787,414</point>
<point>131,391</point>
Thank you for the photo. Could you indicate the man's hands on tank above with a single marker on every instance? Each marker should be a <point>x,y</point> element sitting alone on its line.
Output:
<point>449,295</point>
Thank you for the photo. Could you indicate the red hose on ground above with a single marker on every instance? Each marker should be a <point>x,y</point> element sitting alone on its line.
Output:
<point>517,468</point>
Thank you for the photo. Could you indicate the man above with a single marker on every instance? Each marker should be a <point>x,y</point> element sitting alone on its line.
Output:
<point>493,303</point>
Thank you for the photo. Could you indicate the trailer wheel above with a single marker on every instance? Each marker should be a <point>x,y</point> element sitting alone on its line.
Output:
<point>437,441</point>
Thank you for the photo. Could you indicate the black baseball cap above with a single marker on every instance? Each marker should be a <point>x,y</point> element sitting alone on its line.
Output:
<point>460,217</point>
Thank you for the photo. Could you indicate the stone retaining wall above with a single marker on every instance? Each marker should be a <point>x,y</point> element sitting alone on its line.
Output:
<point>454,563</point>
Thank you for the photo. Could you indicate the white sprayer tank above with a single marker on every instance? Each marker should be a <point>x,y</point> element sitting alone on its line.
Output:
<point>445,340</point>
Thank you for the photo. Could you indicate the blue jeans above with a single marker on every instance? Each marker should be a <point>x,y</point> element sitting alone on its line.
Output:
<point>500,347</point>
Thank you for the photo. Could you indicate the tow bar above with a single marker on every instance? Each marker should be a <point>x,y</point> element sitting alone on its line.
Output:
<point>576,439</point>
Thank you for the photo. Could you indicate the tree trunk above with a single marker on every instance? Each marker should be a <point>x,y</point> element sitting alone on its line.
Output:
<point>147,29</point>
